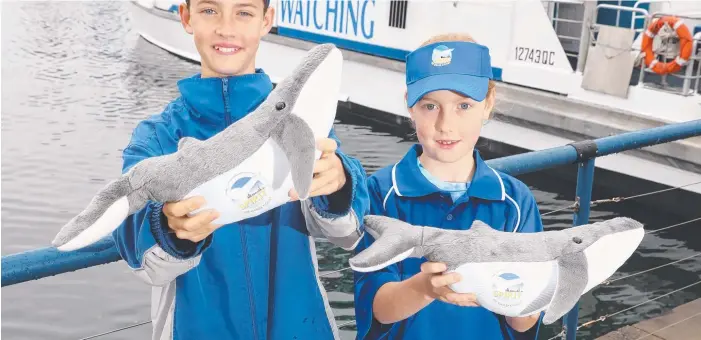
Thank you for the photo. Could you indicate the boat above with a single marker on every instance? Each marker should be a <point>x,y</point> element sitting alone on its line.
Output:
<point>567,70</point>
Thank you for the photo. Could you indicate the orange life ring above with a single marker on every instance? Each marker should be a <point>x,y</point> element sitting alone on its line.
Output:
<point>685,44</point>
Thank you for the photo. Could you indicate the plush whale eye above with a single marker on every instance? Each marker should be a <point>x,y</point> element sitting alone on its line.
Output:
<point>279,106</point>
<point>577,240</point>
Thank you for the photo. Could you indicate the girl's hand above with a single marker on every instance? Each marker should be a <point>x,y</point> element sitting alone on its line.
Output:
<point>436,286</point>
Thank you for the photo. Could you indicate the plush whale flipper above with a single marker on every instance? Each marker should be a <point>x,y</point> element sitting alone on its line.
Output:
<point>512,274</point>
<point>297,141</point>
<point>569,288</point>
<point>185,141</point>
<point>104,213</point>
<point>395,241</point>
<point>243,171</point>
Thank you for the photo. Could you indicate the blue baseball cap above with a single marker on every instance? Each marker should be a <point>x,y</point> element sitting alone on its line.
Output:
<point>463,67</point>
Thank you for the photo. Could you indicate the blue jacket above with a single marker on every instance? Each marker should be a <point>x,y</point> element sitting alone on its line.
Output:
<point>401,191</point>
<point>256,279</point>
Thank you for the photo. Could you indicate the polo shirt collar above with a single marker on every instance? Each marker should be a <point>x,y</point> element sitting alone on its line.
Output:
<point>407,179</point>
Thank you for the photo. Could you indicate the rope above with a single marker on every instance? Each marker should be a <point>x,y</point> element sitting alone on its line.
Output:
<point>149,321</point>
<point>117,330</point>
<point>602,318</point>
<point>607,282</point>
<point>558,210</point>
<point>638,305</point>
<point>347,323</point>
<point>333,272</point>
<point>562,333</point>
<point>672,226</point>
<point>619,198</point>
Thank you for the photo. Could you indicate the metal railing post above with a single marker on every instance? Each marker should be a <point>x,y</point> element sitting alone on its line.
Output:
<point>585,181</point>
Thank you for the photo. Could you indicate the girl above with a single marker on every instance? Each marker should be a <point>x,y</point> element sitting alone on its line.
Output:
<point>442,182</point>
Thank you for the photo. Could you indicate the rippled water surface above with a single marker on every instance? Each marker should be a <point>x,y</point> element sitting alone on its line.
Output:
<point>75,81</point>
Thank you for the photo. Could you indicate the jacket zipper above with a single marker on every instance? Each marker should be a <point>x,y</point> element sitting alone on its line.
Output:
<point>242,230</point>
<point>225,90</point>
<point>248,280</point>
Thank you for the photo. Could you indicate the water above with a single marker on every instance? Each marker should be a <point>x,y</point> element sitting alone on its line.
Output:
<point>75,81</point>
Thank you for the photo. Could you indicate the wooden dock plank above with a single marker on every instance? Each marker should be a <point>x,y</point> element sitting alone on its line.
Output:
<point>681,323</point>
<point>629,333</point>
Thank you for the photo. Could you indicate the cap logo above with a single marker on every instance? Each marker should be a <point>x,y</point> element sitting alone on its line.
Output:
<point>442,55</point>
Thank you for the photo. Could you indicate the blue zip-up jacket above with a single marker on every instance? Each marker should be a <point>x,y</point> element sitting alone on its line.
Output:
<point>401,191</point>
<point>255,279</point>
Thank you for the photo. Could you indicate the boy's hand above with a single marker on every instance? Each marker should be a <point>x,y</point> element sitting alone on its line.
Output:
<point>195,228</point>
<point>329,175</point>
<point>437,285</point>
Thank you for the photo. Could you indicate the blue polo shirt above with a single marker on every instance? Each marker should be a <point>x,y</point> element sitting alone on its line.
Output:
<point>401,191</point>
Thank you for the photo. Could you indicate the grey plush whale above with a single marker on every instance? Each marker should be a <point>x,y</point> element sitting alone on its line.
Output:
<point>512,274</point>
<point>243,171</point>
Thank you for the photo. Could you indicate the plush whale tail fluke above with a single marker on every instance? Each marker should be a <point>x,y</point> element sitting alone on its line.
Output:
<point>104,214</point>
<point>395,241</point>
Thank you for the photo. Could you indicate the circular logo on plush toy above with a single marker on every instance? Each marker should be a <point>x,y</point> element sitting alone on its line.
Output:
<point>507,289</point>
<point>248,191</point>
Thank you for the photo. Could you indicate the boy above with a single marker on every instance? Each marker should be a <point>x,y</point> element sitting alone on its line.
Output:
<point>255,279</point>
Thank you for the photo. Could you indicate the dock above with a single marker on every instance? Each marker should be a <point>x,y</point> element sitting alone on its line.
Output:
<point>681,323</point>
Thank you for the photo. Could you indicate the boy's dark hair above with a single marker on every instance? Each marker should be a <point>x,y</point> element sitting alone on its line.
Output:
<point>265,4</point>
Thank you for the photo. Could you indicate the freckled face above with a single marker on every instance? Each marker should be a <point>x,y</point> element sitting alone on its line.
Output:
<point>448,124</point>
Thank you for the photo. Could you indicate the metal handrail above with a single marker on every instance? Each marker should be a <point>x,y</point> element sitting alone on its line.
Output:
<point>554,7</point>
<point>588,31</point>
<point>44,262</point>
<point>623,8</point>
<point>48,261</point>
<point>634,17</point>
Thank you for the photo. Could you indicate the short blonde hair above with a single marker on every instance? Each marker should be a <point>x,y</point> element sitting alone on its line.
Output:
<point>492,90</point>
